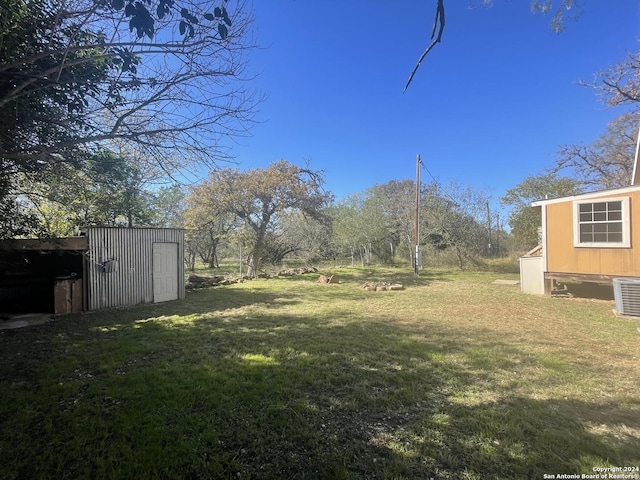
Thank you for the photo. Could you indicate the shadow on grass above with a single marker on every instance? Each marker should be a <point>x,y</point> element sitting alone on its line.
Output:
<point>198,302</point>
<point>268,395</point>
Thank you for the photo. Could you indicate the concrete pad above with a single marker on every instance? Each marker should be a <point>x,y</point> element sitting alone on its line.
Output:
<point>26,320</point>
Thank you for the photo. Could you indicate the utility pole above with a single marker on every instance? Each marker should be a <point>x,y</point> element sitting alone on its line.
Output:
<point>489,224</point>
<point>416,261</point>
<point>498,234</point>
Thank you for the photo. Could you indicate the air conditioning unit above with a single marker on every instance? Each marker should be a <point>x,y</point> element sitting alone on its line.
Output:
<point>626,292</point>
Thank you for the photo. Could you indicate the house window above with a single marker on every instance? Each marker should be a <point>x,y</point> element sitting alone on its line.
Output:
<point>604,223</point>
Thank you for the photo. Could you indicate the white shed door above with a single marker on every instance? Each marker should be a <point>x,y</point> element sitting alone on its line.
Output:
<point>165,272</point>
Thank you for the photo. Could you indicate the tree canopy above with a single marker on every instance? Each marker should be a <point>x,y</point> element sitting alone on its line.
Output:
<point>523,219</point>
<point>74,75</point>
<point>260,197</point>
<point>163,77</point>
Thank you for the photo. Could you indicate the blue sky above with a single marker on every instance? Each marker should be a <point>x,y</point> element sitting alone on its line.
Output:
<point>489,106</point>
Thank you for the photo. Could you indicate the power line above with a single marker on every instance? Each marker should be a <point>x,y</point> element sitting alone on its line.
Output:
<point>432,177</point>
<point>441,192</point>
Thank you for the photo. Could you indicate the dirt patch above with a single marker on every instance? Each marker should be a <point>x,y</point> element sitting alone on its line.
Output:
<point>505,282</point>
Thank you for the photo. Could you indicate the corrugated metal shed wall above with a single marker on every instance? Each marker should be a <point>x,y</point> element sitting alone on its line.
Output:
<point>120,264</point>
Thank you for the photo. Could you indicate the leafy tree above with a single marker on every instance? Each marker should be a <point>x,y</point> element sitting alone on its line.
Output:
<point>372,229</point>
<point>359,226</point>
<point>208,223</point>
<point>396,199</point>
<point>260,197</point>
<point>379,220</point>
<point>315,236</point>
<point>453,217</point>
<point>108,191</point>
<point>346,226</point>
<point>16,218</point>
<point>607,162</point>
<point>560,11</point>
<point>295,233</point>
<point>74,75</point>
<point>168,206</point>
<point>524,220</point>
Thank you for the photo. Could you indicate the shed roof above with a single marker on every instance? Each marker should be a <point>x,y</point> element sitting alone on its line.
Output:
<point>66,243</point>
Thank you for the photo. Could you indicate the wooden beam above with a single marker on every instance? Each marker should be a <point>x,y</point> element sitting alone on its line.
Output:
<point>581,277</point>
<point>67,243</point>
<point>548,286</point>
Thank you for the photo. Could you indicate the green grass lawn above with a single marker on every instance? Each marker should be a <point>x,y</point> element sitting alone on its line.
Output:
<point>451,378</point>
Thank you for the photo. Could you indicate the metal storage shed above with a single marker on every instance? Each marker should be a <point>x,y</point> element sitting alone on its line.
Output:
<point>128,266</point>
<point>106,267</point>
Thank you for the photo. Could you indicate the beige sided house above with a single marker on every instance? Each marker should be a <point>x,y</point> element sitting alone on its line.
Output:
<point>593,237</point>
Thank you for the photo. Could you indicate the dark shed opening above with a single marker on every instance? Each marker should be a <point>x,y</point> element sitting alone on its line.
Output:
<point>41,276</point>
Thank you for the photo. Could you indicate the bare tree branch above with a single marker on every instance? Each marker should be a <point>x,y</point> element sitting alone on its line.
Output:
<point>438,23</point>
<point>184,95</point>
<point>608,161</point>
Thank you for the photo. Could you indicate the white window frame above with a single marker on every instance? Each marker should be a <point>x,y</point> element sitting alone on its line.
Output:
<point>626,224</point>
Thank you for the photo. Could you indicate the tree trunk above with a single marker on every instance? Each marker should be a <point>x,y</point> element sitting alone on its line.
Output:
<point>191,261</point>
<point>254,258</point>
<point>251,267</point>
<point>213,256</point>
<point>460,255</point>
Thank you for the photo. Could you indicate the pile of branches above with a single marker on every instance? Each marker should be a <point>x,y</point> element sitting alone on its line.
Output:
<point>196,280</point>
<point>290,272</point>
<point>381,286</point>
